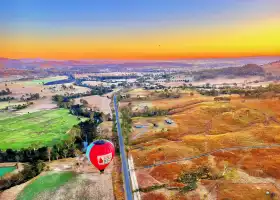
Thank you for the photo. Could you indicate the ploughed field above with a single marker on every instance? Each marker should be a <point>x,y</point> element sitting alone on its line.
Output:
<point>43,128</point>
<point>210,151</point>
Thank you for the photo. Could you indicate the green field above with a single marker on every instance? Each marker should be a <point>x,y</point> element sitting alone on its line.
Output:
<point>36,129</point>
<point>5,170</point>
<point>44,80</point>
<point>49,182</point>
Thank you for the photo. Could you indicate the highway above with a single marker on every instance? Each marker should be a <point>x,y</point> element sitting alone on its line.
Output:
<point>125,170</point>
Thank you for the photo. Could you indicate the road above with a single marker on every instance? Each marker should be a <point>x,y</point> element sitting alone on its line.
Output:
<point>125,170</point>
<point>208,154</point>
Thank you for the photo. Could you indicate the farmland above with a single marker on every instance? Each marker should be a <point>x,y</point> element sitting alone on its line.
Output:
<point>234,140</point>
<point>45,183</point>
<point>35,129</point>
<point>96,101</point>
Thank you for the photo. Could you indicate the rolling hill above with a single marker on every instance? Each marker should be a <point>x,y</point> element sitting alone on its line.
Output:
<point>273,67</point>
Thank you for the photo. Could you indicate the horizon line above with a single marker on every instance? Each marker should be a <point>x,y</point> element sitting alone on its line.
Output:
<point>141,58</point>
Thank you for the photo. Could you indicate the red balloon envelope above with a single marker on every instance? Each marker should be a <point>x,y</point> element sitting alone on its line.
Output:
<point>100,153</point>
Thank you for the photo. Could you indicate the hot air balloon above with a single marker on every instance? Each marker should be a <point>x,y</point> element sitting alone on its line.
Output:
<point>100,153</point>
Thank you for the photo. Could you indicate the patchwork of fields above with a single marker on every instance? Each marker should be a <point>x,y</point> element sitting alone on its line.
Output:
<point>36,129</point>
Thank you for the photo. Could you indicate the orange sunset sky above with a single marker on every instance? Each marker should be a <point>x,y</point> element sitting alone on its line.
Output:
<point>140,29</point>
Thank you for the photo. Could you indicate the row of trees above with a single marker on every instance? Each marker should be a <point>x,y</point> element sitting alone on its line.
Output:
<point>6,99</point>
<point>256,92</point>
<point>169,93</point>
<point>30,97</point>
<point>126,123</point>
<point>84,131</point>
<point>150,112</point>
<point>18,106</point>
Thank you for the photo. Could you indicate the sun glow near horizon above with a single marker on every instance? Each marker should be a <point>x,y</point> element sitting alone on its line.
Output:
<point>221,36</point>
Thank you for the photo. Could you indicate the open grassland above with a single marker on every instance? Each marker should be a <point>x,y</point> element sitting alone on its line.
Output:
<point>35,129</point>
<point>49,182</point>
<point>234,140</point>
<point>203,128</point>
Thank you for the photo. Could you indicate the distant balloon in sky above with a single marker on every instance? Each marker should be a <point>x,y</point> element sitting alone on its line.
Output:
<point>100,153</point>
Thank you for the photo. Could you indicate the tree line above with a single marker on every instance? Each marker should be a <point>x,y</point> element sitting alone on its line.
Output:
<point>150,112</point>
<point>6,99</point>
<point>30,97</point>
<point>126,123</point>
<point>18,106</point>
<point>79,137</point>
<point>84,131</point>
<point>246,92</point>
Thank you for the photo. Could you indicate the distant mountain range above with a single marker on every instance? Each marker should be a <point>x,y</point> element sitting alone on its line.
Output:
<point>15,66</point>
<point>273,67</point>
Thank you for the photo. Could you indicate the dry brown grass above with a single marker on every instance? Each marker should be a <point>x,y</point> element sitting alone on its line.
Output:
<point>205,126</point>
<point>247,191</point>
<point>153,196</point>
<point>117,180</point>
<point>256,162</point>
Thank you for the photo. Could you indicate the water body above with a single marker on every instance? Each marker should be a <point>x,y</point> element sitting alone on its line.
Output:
<point>69,80</point>
<point>5,170</point>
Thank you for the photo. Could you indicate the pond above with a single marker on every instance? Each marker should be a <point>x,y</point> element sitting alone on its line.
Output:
<point>5,170</point>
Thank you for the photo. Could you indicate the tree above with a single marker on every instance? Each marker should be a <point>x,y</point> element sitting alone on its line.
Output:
<point>71,87</point>
<point>84,102</point>
<point>65,152</point>
<point>40,165</point>
<point>49,150</point>
<point>64,87</point>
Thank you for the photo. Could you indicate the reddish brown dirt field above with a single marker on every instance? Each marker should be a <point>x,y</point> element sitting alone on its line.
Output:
<point>167,172</point>
<point>184,100</point>
<point>267,165</point>
<point>153,196</point>
<point>170,172</point>
<point>145,180</point>
<point>247,191</point>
